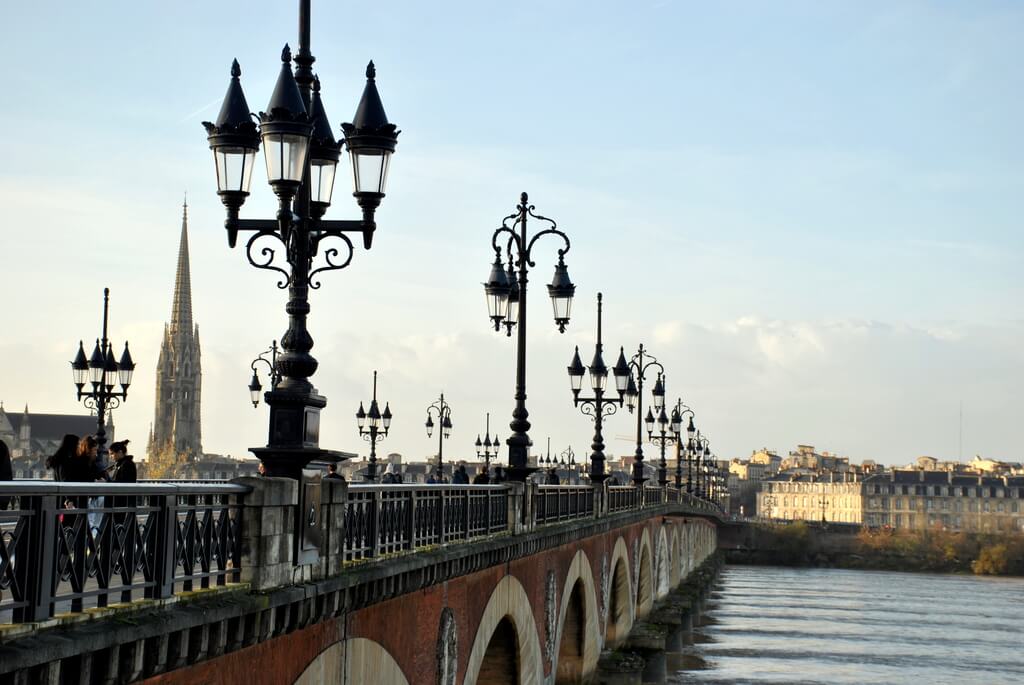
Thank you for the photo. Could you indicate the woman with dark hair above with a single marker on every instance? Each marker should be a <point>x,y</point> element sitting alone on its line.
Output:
<point>124,470</point>
<point>80,466</point>
<point>64,454</point>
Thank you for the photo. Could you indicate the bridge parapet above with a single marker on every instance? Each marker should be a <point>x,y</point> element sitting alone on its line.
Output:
<point>68,548</point>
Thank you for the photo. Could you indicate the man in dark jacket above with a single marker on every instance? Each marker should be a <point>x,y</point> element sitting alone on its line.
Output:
<point>460,477</point>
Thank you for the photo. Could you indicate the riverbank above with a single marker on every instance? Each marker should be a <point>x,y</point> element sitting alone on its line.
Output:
<point>800,544</point>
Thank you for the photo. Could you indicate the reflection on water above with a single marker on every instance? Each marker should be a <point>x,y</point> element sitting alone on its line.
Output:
<point>825,626</point>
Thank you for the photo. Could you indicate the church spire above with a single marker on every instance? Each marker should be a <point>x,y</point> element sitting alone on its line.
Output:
<point>181,309</point>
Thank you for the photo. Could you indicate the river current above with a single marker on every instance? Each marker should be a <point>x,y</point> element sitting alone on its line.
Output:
<point>830,626</point>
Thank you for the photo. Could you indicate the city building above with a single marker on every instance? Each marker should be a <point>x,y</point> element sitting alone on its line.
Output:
<point>831,497</point>
<point>919,499</point>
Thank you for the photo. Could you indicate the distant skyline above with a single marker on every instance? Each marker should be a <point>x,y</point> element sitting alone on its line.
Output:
<point>811,213</point>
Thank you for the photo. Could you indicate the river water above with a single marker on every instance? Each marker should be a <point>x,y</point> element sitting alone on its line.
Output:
<point>783,625</point>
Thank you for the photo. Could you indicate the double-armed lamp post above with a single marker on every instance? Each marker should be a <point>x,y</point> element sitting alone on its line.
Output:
<point>678,413</point>
<point>443,411</point>
<point>373,427</point>
<point>598,406</point>
<point>506,303</point>
<point>667,433</point>
<point>101,372</point>
<point>639,365</point>
<point>255,387</point>
<point>301,155</point>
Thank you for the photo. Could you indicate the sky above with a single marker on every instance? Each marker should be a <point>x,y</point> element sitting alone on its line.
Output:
<point>809,212</point>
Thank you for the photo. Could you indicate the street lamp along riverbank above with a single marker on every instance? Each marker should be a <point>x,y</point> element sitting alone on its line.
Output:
<point>598,406</point>
<point>101,372</point>
<point>499,291</point>
<point>301,156</point>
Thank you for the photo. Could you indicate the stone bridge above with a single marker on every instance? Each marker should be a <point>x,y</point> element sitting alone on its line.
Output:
<point>225,583</point>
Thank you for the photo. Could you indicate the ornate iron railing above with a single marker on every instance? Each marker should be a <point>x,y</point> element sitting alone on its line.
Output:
<point>563,503</point>
<point>652,496</point>
<point>70,546</point>
<point>623,497</point>
<point>383,519</point>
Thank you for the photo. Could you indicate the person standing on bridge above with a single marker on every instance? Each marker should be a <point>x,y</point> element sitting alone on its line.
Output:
<point>123,469</point>
<point>6,471</point>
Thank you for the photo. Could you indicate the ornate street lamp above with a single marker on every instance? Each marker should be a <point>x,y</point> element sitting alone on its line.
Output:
<point>101,372</point>
<point>498,289</point>
<point>443,411</point>
<point>703,455</point>
<point>678,413</point>
<point>487,449</point>
<point>301,155</point>
<point>597,406</point>
<point>568,462</point>
<point>666,433</point>
<point>255,387</point>
<point>373,427</point>
<point>639,365</point>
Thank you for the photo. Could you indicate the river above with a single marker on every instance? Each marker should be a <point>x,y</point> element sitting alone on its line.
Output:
<point>802,626</point>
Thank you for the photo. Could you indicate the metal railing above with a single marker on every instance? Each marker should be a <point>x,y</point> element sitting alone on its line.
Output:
<point>72,546</point>
<point>562,503</point>
<point>623,497</point>
<point>68,547</point>
<point>383,519</point>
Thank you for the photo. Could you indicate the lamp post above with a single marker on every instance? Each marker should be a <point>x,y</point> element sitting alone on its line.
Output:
<point>373,427</point>
<point>639,365</point>
<point>597,406</point>
<point>301,157</point>
<point>700,453</point>
<point>443,410</point>
<point>275,376</point>
<point>678,413</point>
<point>668,433</point>
<point>568,461</point>
<point>499,291</point>
<point>489,447</point>
<point>102,372</point>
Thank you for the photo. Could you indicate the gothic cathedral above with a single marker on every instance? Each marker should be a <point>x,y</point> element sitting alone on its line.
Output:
<point>175,439</point>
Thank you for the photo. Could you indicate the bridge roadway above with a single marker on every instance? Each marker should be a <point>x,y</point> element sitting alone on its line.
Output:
<point>273,581</point>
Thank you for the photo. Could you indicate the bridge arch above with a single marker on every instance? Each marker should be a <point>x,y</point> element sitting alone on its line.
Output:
<point>674,556</point>
<point>506,648</point>
<point>662,563</point>
<point>352,661</point>
<point>644,577</point>
<point>578,637</point>
<point>620,597</point>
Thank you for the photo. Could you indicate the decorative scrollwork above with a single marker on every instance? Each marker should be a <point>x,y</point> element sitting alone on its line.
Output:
<point>91,402</point>
<point>546,231</point>
<point>267,255</point>
<point>589,408</point>
<point>329,255</point>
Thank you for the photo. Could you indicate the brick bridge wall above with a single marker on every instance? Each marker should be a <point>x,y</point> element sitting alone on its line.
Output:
<point>442,633</point>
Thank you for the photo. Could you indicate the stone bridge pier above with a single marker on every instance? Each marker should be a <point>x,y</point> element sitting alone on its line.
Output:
<point>410,585</point>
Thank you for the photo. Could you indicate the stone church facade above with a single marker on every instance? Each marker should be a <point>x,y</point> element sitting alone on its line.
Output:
<point>175,448</point>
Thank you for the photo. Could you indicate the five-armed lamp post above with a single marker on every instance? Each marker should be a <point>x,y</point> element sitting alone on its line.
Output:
<point>487,449</point>
<point>301,157</point>
<point>444,417</point>
<point>102,372</point>
<point>373,427</point>
<point>499,291</point>
<point>598,406</point>
<point>639,365</point>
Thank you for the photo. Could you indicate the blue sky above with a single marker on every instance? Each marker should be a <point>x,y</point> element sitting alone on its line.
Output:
<point>809,211</point>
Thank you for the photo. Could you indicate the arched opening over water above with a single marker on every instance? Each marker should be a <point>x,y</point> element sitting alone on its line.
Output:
<point>620,617</point>
<point>644,583</point>
<point>570,650</point>
<point>500,665</point>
